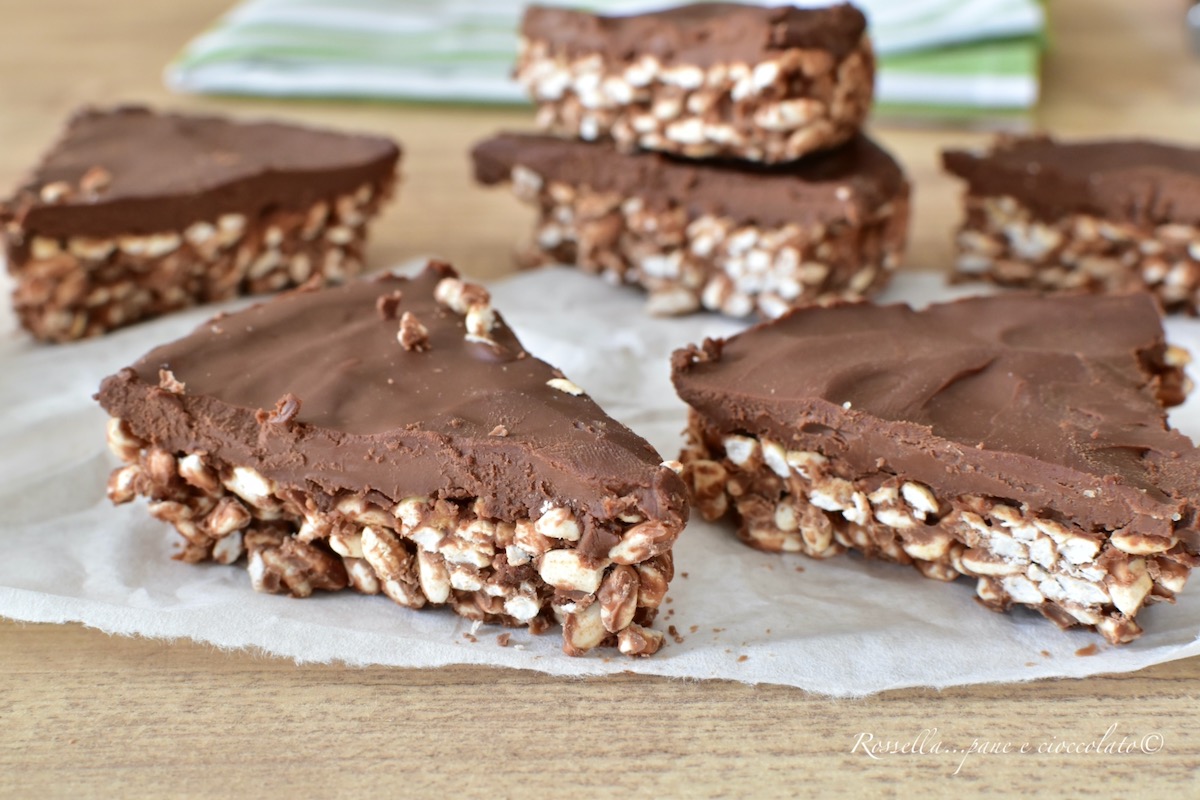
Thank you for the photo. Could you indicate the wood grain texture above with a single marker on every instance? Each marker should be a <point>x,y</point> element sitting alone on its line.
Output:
<point>86,715</point>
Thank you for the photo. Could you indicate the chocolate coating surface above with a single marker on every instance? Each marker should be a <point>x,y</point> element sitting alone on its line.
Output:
<point>702,34</point>
<point>1048,401</point>
<point>460,420</point>
<point>846,184</point>
<point>166,171</point>
<point>1136,181</point>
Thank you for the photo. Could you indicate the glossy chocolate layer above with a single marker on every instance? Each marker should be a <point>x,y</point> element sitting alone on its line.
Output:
<point>1049,401</point>
<point>459,420</point>
<point>162,172</point>
<point>702,34</point>
<point>846,184</point>
<point>1123,180</point>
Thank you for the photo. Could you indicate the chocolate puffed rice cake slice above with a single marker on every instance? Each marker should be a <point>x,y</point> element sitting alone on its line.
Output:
<point>1112,215</point>
<point>393,436</point>
<point>737,238</point>
<point>1020,441</point>
<point>702,80</point>
<point>135,213</point>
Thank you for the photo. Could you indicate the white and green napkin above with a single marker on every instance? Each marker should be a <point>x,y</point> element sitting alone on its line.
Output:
<point>947,58</point>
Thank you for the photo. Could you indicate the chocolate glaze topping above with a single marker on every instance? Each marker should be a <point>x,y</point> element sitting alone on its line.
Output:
<point>846,184</point>
<point>1142,182</point>
<point>163,172</point>
<point>314,391</point>
<point>702,34</point>
<point>1048,401</point>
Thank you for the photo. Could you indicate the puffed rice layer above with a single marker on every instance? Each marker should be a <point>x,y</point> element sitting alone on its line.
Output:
<point>691,263</point>
<point>75,288</point>
<point>805,502</point>
<point>418,551</point>
<point>1004,242</point>
<point>775,111</point>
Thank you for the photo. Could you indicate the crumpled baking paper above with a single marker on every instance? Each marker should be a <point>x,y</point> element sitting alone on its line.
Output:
<point>844,627</point>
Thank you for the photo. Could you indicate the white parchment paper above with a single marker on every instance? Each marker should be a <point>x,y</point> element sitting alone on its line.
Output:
<point>840,627</point>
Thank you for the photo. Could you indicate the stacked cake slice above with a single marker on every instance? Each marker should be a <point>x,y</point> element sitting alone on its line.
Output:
<point>712,155</point>
<point>710,79</point>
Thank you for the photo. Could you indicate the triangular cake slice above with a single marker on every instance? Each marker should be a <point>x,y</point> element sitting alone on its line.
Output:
<point>393,436</point>
<point>1017,440</point>
<point>133,213</point>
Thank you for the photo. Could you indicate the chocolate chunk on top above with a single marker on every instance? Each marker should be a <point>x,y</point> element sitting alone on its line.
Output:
<point>1143,182</point>
<point>702,34</point>
<point>131,170</point>
<point>844,184</point>
<point>1049,401</point>
<point>366,414</point>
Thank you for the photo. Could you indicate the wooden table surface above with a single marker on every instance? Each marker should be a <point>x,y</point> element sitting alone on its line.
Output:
<point>86,715</point>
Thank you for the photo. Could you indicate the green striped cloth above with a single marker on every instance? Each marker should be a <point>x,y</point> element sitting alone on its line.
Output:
<point>947,58</point>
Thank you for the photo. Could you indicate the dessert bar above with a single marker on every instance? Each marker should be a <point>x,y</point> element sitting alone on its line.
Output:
<point>1018,440</point>
<point>730,237</point>
<point>134,213</point>
<point>394,437</point>
<point>702,80</point>
<point>1099,215</point>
